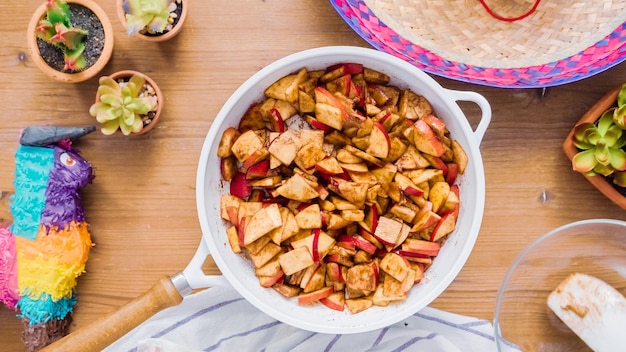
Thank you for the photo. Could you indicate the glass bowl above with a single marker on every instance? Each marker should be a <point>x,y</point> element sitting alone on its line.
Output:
<point>522,317</point>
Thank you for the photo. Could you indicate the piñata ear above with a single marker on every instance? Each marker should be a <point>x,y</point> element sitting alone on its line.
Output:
<point>40,136</point>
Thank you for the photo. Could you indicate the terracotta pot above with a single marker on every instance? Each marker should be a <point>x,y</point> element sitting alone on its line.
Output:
<point>161,37</point>
<point>129,73</point>
<point>89,72</point>
<point>570,149</point>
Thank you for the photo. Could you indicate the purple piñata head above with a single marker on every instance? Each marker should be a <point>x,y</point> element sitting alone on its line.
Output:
<point>70,173</point>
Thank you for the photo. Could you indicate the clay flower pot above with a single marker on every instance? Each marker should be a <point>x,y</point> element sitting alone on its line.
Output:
<point>599,181</point>
<point>126,75</point>
<point>167,35</point>
<point>93,42</point>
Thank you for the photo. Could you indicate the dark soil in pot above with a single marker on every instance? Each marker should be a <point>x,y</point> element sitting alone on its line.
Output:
<point>84,18</point>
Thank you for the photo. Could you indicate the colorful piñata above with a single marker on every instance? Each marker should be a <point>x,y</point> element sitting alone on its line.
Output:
<point>46,247</point>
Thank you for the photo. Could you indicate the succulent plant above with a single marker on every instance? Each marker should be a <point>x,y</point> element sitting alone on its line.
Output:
<point>56,28</point>
<point>122,105</point>
<point>151,15</point>
<point>619,112</point>
<point>600,148</point>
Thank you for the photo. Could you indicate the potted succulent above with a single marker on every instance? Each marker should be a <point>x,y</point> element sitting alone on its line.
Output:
<point>70,40</point>
<point>596,145</point>
<point>152,20</point>
<point>127,102</point>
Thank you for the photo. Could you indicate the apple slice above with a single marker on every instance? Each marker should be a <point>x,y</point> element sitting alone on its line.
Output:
<point>370,221</point>
<point>460,157</point>
<point>286,88</point>
<point>263,256</point>
<point>425,139</point>
<point>426,220</point>
<point>361,277</point>
<point>309,155</point>
<point>343,85</point>
<point>309,217</point>
<point>287,291</point>
<point>413,106</point>
<point>336,222</point>
<point>229,201</point>
<point>277,122</point>
<point>256,157</point>
<point>329,115</point>
<point>313,278</point>
<point>359,242</point>
<point>438,195</point>
<point>306,104</point>
<point>436,124</point>
<point>229,136</point>
<point>437,163</point>
<point>357,305</point>
<point>270,268</point>
<point>295,260</point>
<point>338,70</point>
<point>375,77</point>
<point>284,147</point>
<point>233,239</point>
<point>365,156</point>
<point>404,234</point>
<point>453,170</point>
<point>346,157</point>
<point>228,167</point>
<point>358,168</point>
<point>246,145</point>
<point>426,248</point>
<point>315,123</point>
<point>239,186</point>
<point>412,159</point>
<point>252,119</point>
<point>329,166</point>
<point>297,188</point>
<point>379,143</point>
<point>256,246</point>
<point>333,271</point>
<point>269,281</point>
<point>395,266</point>
<point>258,170</point>
<point>370,239</point>
<point>423,175</point>
<point>262,222</point>
<point>312,297</point>
<point>407,186</point>
<point>445,226</point>
<point>321,249</point>
<point>397,148</point>
<point>335,301</point>
<point>388,230</point>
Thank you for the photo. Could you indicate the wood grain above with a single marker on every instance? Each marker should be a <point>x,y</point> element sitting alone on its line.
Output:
<point>142,207</point>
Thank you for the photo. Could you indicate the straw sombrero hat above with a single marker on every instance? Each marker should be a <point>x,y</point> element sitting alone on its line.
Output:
<point>504,43</point>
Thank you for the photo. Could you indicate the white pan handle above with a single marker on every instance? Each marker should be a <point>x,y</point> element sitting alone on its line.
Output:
<point>193,276</point>
<point>482,103</point>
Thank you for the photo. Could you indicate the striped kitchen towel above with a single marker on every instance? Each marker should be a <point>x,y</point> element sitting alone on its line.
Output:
<point>219,319</point>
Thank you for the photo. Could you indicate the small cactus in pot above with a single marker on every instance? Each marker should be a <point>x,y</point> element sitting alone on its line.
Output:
<point>601,144</point>
<point>57,29</point>
<point>153,20</point>
<point>596,145</point>
<point>128,101</point>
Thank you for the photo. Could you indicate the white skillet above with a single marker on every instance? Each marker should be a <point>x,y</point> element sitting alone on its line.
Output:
<point>238,271</point>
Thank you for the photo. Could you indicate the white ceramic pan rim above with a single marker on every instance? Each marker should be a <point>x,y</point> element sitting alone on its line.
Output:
<point>239,271</point>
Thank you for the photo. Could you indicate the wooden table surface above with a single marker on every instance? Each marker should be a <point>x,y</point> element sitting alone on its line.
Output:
<point>142,206</point>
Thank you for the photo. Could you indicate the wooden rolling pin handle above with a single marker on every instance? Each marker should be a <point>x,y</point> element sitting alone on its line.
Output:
<point>106,330</point>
